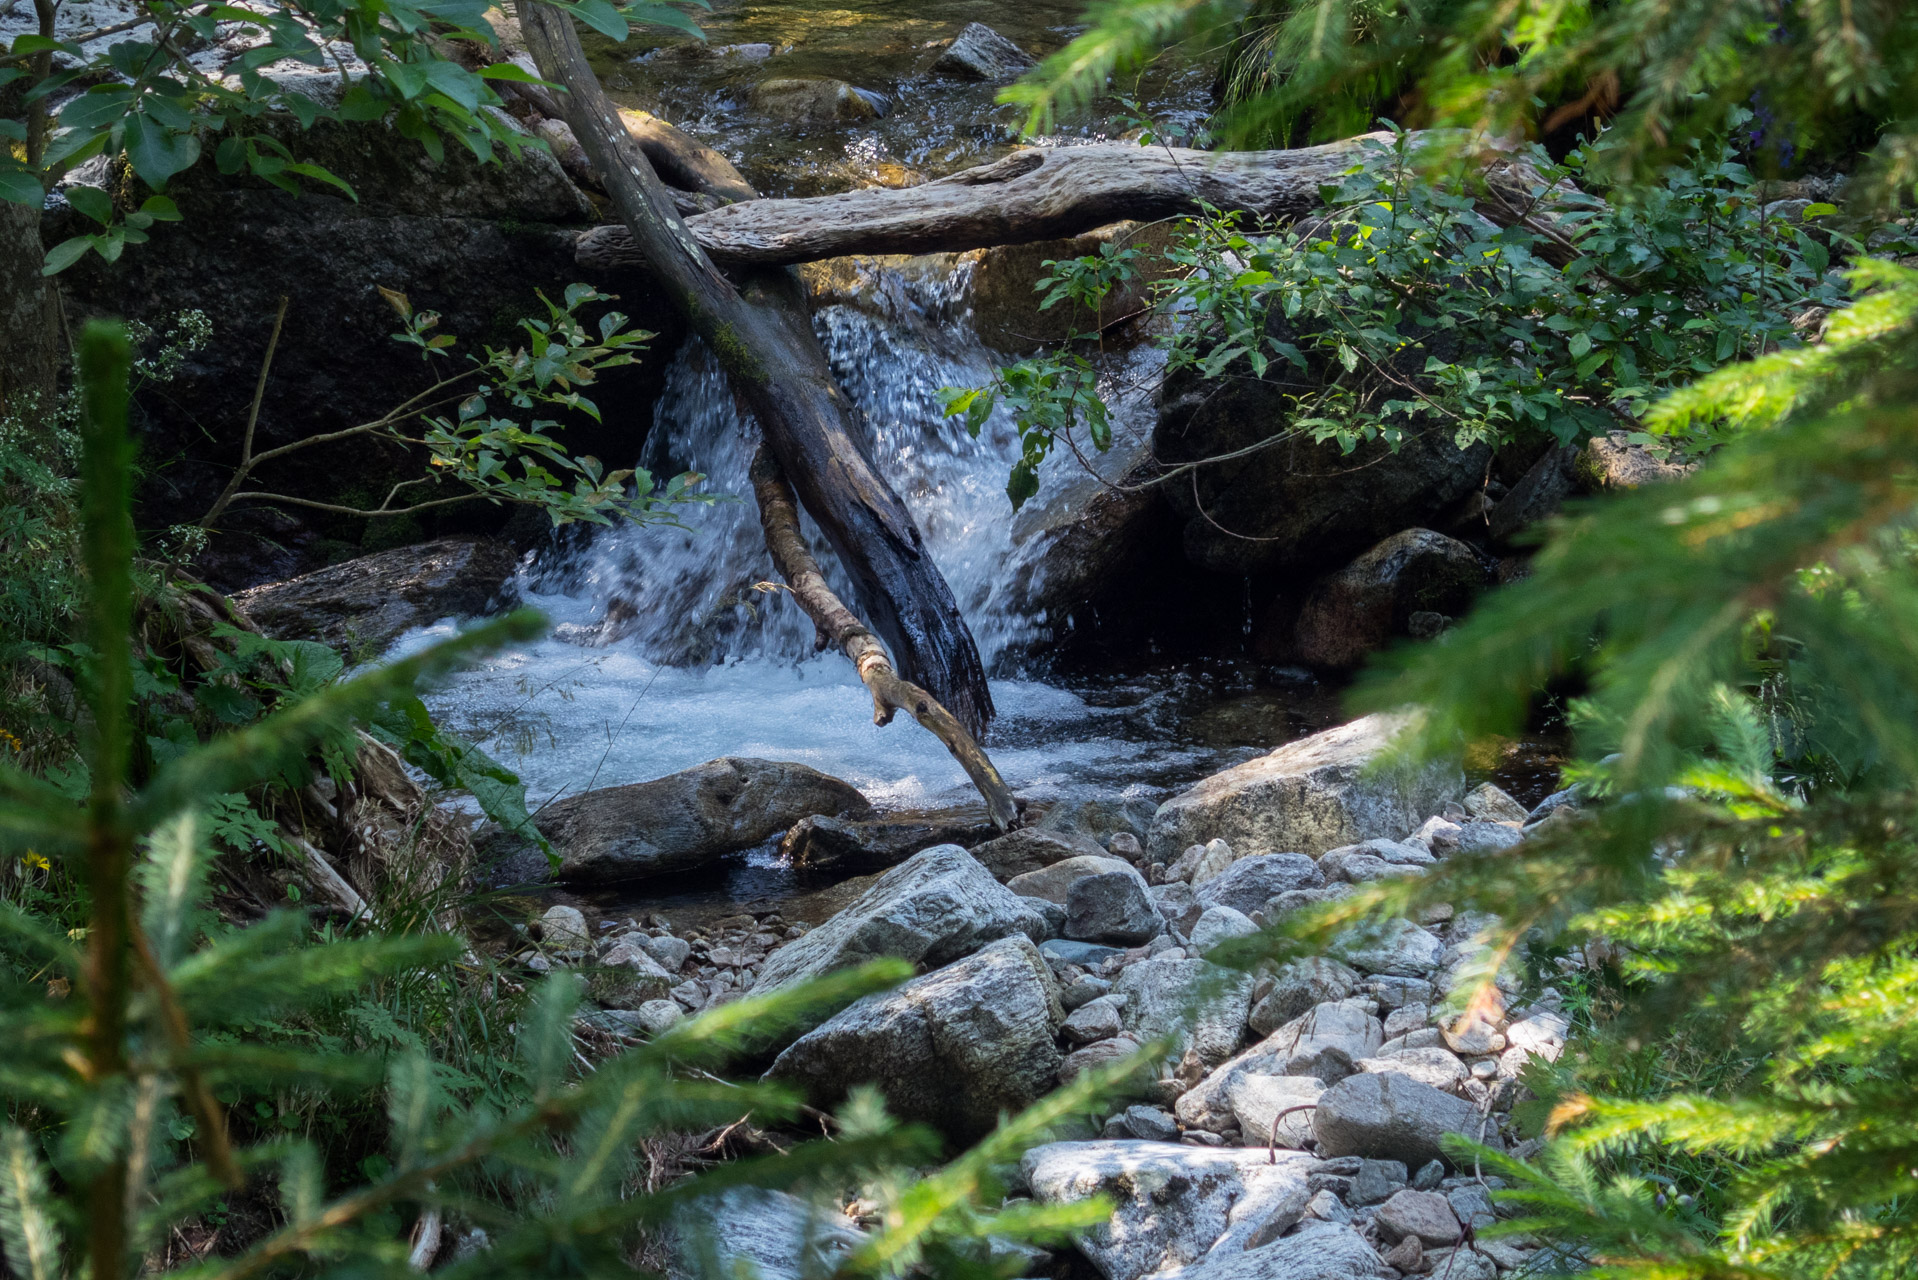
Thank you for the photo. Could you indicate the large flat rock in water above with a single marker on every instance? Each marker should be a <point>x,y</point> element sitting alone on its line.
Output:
<point>687,818</point>
<point>364,605</point>
<point>1309,796</point>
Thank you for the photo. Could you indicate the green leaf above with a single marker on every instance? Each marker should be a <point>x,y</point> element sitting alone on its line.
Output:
<point>513,72</point>
<point>157,153</point>
<point>1579,344</point>
<point>160,209</point>
<point>319,174</point>
<point>20,186</point>
<point>600,16</point>
<point>97,107</point>
<point>65,254</point>
<point>94,202</point>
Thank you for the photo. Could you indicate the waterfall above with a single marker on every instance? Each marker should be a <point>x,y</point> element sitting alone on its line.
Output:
<point>664,653</point>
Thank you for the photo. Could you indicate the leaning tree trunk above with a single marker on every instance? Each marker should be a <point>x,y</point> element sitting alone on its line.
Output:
<point>762,335</point>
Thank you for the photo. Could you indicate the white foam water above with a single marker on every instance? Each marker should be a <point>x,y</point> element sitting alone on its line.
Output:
<point>671,646</point>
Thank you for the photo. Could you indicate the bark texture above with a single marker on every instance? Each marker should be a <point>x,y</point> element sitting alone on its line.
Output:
<point>29,315</point>
<point>763,337</point>
<point>1043,194</point>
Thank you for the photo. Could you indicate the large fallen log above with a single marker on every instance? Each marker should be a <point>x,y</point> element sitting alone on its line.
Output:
<point>1037,194</point>
<point>760,332</point>
<point>838,626</point>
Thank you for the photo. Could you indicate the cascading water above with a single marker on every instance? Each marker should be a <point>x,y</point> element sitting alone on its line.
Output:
<point>667,652</point>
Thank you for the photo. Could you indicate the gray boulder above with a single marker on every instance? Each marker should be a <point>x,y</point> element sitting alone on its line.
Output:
<point>1300,985</point>
<point>1112,906</point>
<point>1392,1117</point>
<point>687,818</point>
<point>860,846</point>
<point>1030,849</point>
<point>1263,1108</point>
<point>1196,1005</point>
<point>629,978</point>
<point>1425,1214</point>
<point>1172,1205</point>
<point>1099,819</point>
<point>1177,904</point>
<point>1054,882</point>
<point>364,605</point>
<point>1249,883</point>
<point>1317,1251</point>
<point>1323,1043</point>
<point>933,908</point>
<point>1432,1065</point>
<point>770,1234</point>
<point>1220,924</point>
<point>953,1048</point>
<point>1396,947</point>
<point>1487,802</point>
<point>1096,1019</point>
<point>980,53</point>
<point>1364,605</point>
<point>563,928</point>
<point>1311,795</point>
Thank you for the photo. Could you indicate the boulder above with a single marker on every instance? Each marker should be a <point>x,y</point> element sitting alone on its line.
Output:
<point>1154,1124</point>
<point>628,978</point>
<point>1296,504</point>
<point>1476,836</point>
<point>1319,1250</point>
<point>767,1234</point>
<point>1536,494</point>
<point>1615,461</point>
<point>1324,1044</point>
<point>1030,849</point>
<point>1194,1004</point>
<point>1053,883</point>
<point>1257,1102</point>
<point>980,53</point>
<point>685,819</point>
<point>815,100</point>
<point>1425,1214</point>
<point>1112,906</point>
<point>1099,818</point>
<point>1300,985</point>
<point>1468,1263</point>
<point>1172,1205</point>
<point>1311,795</point>
<point>1249,883</point>
<point>1438,1067</point>
<point>1488,803</point>
<point>1211,863</point>
<point>953,1048</point>
<point>363,605</point>
<point>1066,951</point>
<point>1100,1053</point>
<point>563,928</point>
<point>1355,864</point>
<point>1363,606</point>
<point>933,908</point>
<point>1097,1019</point>
<point>860,846</point>
<point>1177,904</point>
<point>1392,1117</point>
<point>1396,947</point>
<point>1220,924</point>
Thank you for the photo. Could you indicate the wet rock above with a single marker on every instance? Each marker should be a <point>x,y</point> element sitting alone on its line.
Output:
<point>1093,1021</point>
<point>1614,461</point>
<point>953,1048</point>
<point>980,53</point>
<point>364,605</point>
<point>1364,605</point>
<point>1299,986</point>
<point>1112,906</point>
<point>1055,882</point>
<point>684,819</point>
<point>859,846</point>
<point>1030,849</point>
<point>1172,1204</point>
<point>563,928</point>
<point>1196,1005</point>
<point>1320,1250</point>
<point>933,908</point>
<point>1391,1117</point>
<point>815,100</point>
<point>1249,883</point>
<point>1220,924</point>
<point>1397,947</point>
<point>1311,795</point>
<point>769,1234</point>
<point>1424,1214</point>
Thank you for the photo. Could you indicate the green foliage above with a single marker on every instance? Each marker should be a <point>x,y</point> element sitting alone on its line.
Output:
<point>145,97</point>
<point>136,1038</point>
<point>1405,308</point>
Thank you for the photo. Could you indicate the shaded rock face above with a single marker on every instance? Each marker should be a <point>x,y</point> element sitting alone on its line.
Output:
<point>953,1048</point>
<point>687,818</point>
<point>1304,504</point>
<point>364,605</point>
<point>853,846</point>
<point>1309,796</point>
<point>980,53</point>
<point>470,241</point>
<point>1364,605</point>
<point>1030,849</point>
<point>1172,1205</point>
<point>933,908</point>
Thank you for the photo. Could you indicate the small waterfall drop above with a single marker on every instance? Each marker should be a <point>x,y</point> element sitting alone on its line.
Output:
<point>666,653</point>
